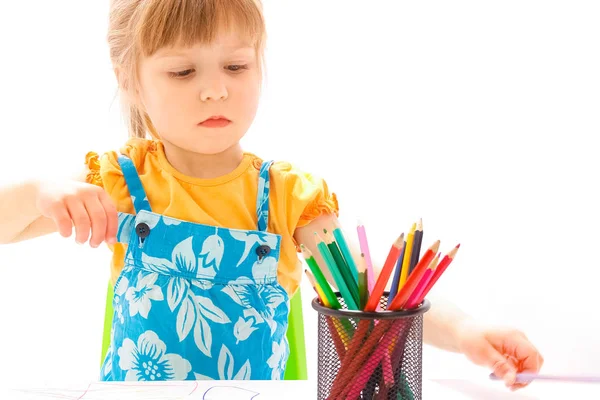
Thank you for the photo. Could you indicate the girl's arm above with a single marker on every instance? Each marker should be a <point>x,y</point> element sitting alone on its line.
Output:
<point>441,324</point>
<point>20,217</point>
<point>35,208</point>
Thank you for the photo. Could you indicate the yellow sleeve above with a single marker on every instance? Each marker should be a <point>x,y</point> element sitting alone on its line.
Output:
<point>307,197</point>
<point>105,171</point>
<point>92,160</point>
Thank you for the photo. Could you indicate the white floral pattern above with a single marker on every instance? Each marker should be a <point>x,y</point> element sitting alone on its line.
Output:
<point>148,360</point>
<point>243,328</point>
<point>212,251</point>
<point>182,259</point>
<point>277,359</point>
<point>226,363</point>
<point>139,298</point>
<point>252,239</point>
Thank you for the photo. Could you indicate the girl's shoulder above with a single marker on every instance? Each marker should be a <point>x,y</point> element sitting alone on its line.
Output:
<point>104,169</point>
<point>304,194</point>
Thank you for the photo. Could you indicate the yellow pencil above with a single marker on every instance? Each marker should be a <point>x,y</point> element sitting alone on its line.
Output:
<point>343,335</point>
<point>317,288</point>
<point>407,256</point>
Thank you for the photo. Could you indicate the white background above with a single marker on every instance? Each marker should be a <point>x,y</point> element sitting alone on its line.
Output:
<point>479,117</point>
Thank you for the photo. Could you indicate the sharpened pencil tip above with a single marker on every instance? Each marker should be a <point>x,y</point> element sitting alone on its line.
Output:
<point>458,246</point>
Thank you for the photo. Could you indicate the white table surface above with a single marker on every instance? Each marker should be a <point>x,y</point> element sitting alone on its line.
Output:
<point>446,389</point>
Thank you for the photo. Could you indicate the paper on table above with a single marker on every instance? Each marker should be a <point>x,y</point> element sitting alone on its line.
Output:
<point>181,390</point>
<point>537,390</point>
<point>471,390</point>
<point>524,377</point>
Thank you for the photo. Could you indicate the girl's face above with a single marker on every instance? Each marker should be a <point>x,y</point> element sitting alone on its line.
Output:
<point>182,87</point>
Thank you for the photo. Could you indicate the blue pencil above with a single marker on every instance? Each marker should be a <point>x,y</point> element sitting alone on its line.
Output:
<point>396,278</point>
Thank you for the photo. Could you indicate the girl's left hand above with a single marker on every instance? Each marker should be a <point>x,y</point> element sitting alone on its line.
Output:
<point>505,351</point>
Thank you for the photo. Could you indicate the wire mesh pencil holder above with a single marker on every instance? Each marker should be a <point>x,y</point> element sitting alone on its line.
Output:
<point>370,355</point>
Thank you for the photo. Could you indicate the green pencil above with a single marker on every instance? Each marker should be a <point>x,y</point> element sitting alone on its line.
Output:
<point>324,285</point>
<point>341,241</point>
<point>363,286</point>
<point>342,265</point>
<point>337,276</point>
<point>318,274</point>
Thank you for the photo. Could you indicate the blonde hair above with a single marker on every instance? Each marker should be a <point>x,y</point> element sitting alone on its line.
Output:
<point>141,27</point>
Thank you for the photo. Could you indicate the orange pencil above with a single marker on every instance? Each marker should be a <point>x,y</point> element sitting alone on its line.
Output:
<point>414,277</point>
<point>441,268</point>
<point>384,275</point>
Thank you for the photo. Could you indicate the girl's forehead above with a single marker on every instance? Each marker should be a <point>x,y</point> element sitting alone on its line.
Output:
<point>222,41</point>
<point>181,50</point>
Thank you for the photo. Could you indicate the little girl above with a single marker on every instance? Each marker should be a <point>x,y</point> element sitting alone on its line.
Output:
<point>205,235</point>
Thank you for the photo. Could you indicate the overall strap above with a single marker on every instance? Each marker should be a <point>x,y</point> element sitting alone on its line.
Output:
<point>262,199</point>
<point>132,180</point>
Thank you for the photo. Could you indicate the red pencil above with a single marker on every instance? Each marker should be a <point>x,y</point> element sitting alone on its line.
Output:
<point>416,296</point>
<point>384,275</point>
<point>414,277</point>
<point>441,268</point>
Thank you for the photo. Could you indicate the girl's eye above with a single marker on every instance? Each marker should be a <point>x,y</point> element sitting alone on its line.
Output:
<point>236,68</point>
<point>181,74</point>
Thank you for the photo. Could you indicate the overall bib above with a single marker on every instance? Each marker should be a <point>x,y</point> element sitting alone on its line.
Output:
<point>196,301</point>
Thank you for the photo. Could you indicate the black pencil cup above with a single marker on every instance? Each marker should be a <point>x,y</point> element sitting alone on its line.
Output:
<point>369,355</point>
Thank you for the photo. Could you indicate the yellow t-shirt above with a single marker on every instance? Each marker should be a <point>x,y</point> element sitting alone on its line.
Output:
<point>296,198</point>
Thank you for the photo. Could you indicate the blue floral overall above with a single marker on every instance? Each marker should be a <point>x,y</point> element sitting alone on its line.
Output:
<point>196,301</point>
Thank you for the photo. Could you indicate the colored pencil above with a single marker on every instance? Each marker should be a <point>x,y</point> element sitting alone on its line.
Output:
<point>407,256</point>
<point>317,288</point>
<point>385,273</point>
<point>363,289</point>
<point>323,284</point>
<point>396,277</point>
<point>341,241</point>
<point>364,248</point>
<point>414,278</point>
<point>441,268</point>
<point>363,343</point>
<point>342,265</point>
<point>385,332</point>
<point>335,329</point>
<point>337,276</point>
<point>363,376</point>
<point>357,350</point>
<point>416,250</point>
<point>354,361</point>
<point>416,296</point>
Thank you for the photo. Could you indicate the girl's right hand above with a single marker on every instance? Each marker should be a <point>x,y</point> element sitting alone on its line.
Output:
<point>83,205</point>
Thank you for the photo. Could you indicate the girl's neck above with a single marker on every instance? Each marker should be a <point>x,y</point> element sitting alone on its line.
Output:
<point>204,166</point>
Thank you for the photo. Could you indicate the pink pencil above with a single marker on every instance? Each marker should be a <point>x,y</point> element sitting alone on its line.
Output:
<point>415,298</point>
<point>364,248</point>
